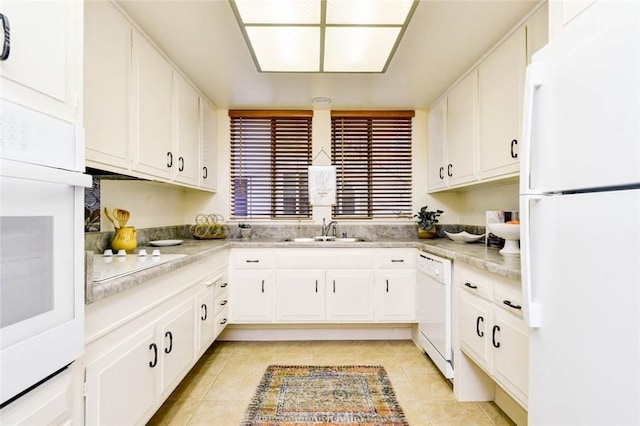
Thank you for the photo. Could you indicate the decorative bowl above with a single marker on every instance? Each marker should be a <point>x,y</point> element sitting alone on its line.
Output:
<point>511,234</point>
<point>464,236</point>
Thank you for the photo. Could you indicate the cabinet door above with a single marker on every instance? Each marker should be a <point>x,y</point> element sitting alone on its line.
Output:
<point>209,169</point>
<point>107,91</point>
<point>253,295</point>
<point>396,295</point>
<point>300,295</point>
<point>206,310</point>
<point>460,146</point>
<point>349,295</point>
<point>152,88</point>
<point>437,130</point>
<point>187,144</point>
<point>121,385</point>
<point>501,83</point>
<point>511,357</point>
<point>178,342</point>
<point>42,70</point>
<point>475,328</point>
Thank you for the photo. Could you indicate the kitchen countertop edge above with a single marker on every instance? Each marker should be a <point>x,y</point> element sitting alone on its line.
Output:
<point>475,254</point>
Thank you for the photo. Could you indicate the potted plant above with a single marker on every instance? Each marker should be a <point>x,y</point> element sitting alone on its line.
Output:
<point>245,230</point>
<point>426,220</point>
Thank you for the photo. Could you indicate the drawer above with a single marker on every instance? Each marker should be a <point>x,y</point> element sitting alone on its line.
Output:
<point>221,303</point>
<point>221,321</point>
<point>511,301</point>
<point>474,282</point>
<point>222,284</point>
<point>253,259</point>
<point>393,258</point>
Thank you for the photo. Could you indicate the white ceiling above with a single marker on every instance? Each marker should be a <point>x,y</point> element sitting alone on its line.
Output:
<point>444,39</point>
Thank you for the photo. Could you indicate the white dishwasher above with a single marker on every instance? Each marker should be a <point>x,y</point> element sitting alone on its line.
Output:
<point>434,310</point>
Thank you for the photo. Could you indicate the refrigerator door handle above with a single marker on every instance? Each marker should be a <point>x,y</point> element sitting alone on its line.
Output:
<point>531,309</point>
<point>533,81</point>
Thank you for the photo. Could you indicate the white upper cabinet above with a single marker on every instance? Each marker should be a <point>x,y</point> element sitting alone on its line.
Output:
<point>153,93</point>
<point>562,12</point>
<point>107,91</point>
<point>209,158</point>
<point>187,135</point>
<point>43,68</point>
<point>437,136</point>
<point>460,146</point>
<point>500,92</point>
<point>474,129</point>
<point>142,116</point>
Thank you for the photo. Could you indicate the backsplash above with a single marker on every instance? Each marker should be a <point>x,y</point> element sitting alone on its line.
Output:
<point>99,241</point>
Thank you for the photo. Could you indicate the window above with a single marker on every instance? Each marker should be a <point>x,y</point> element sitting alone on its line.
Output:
<point>270,156</point>
<point>372,154</point>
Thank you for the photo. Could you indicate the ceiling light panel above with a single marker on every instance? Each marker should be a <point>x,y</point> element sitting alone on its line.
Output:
<point>368,12</point>
<point>358,49</point>
<point>286,49</point>
<point>279,11</point>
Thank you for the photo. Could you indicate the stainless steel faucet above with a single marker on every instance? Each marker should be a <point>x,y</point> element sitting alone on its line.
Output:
<point>327,228</point>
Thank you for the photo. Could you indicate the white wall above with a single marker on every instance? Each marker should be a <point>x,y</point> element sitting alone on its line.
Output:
<point>474,202</point>
<point>151,204</point>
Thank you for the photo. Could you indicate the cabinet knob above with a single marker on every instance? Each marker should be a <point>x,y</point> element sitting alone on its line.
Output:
<point>168,349</point>
<point>511,305</point>
<point>6,44</point>
<point>204,315</point>
<point>478,331</point>
<point>493,337</point>
<point>155,355</point>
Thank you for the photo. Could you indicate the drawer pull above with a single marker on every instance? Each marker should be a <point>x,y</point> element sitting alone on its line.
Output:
<point>316,286</point>
<point>170,348</point>
<point>387,286</point>
<point>155,355</point>
<point>223,285</point>
<point>224,302</point>
<point>493,337</point>
<point>252,261</point>
<point>397,260</point>
<point>511,305</point>
<point>478,321</point>
<point>204,316</point>
<point>263,286</point>
<point>223,322</point>
<point>334,286</point>
<point>471,285</point>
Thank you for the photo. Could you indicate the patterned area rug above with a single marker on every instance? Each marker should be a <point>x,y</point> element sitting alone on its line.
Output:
<point>311,395</point>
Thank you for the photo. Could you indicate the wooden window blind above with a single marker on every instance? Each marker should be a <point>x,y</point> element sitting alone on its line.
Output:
<point>372,154</point>
<point>270,156</point>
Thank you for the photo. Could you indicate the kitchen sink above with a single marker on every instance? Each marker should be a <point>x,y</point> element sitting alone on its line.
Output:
<point>320,239</point>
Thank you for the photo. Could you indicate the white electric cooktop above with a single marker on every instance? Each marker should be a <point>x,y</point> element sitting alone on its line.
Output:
<point>110,267</point>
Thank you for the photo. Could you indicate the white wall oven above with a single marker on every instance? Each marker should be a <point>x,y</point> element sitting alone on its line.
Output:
<point>41,249</point>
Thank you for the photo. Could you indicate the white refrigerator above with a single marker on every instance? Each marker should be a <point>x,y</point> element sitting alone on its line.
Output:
<point>580,216</point>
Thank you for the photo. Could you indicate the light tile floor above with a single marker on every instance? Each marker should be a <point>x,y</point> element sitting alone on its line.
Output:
<point>220,386</point>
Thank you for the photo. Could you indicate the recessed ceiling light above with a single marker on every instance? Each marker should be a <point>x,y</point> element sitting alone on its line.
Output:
<point>321,100</point>
<point>323,35</point>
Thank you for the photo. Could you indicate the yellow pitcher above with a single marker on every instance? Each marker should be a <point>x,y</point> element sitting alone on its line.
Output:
<point>124,239</point>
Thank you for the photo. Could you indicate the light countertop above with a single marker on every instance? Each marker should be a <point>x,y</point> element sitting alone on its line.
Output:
<point>475,254</point>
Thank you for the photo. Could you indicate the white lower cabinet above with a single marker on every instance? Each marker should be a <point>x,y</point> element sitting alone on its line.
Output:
<point>337,285</point>
<point>121,385</point>
<point>491,329</point>
<point>349,295</point>
<point>300,295</point>
<point>253,292</point>
<point>143,341</point>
